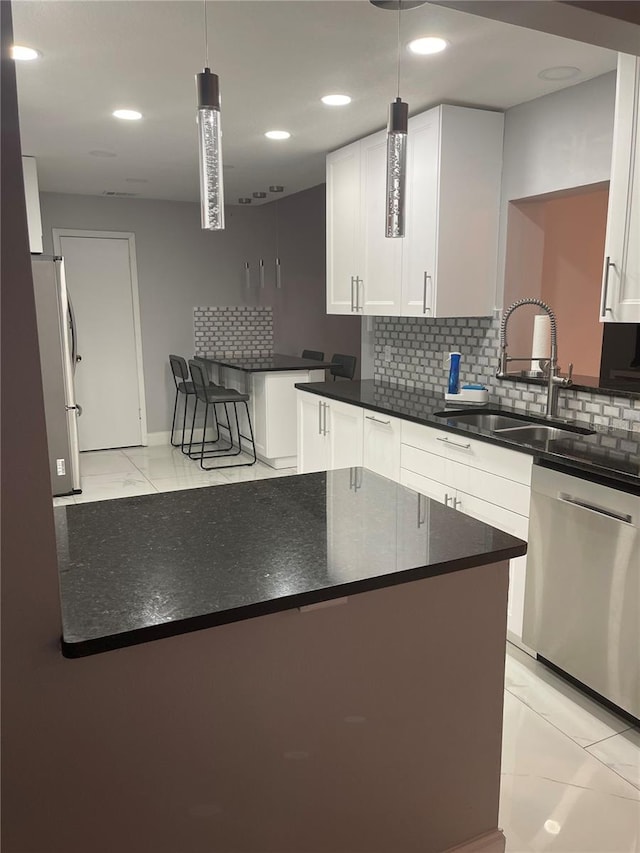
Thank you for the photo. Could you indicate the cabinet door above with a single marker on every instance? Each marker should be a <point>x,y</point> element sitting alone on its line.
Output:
<point>312,441</point>
<point>419,249</point>
<point>516,525</point>
<point>425,486</point>
<point>621,279</point>
<point>343,426</point>
<point>379,293</point>
<point>343,229</point>
<point>381,450</point>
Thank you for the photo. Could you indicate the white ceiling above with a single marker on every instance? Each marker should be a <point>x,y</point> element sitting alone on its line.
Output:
<point>275,59</point>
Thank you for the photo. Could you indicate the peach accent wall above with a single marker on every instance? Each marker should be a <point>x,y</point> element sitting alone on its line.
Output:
<point>572,273</point>
<point>555,250</point>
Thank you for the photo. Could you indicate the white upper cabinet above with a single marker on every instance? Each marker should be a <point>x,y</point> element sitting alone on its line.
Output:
<point>379,288</point>
<point>343,229</point>
<point>445,266</point>
<point>621,277</point>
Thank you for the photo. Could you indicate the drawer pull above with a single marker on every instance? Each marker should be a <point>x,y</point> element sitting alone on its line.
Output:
<point>453,443</point>
<point>377,420</point>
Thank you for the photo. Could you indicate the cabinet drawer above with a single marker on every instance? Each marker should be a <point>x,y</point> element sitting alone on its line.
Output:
<point>425,486</point>
<point>496,516</point>
<point>478,454</point>
<point>423,463</point>
<point>499,491</point>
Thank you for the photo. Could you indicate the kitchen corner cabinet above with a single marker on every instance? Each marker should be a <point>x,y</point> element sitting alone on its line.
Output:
<point>329,434</point>
<point>621,277</point>
<point>445,266</point>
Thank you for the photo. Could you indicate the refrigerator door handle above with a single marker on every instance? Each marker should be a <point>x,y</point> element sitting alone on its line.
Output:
<point>75,358</point>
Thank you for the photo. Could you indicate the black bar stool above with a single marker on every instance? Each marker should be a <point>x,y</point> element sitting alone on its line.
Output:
<point>212,396</point>
<point>315,354</point>
<point>184,387</point>
<point>343,366</point>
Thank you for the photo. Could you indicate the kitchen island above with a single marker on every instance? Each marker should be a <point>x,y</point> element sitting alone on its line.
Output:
<point>298,655</point>
<point>270,381</point>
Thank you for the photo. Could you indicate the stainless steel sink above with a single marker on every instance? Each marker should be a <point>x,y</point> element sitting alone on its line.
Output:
<point>534,432</point>
<point>523,428</point>
<point>484,421</point>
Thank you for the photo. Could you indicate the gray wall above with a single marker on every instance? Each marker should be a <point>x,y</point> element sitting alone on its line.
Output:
<point>180,266</point>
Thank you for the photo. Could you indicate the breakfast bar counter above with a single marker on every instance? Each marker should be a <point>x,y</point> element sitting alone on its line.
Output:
<point>301,651</point>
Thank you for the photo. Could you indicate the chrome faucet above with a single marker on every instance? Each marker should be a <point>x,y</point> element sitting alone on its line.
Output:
<point>554,378</point>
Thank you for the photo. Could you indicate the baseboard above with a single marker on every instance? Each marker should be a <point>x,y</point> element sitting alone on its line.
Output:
<point>490,842</point>
<point>155,439</point>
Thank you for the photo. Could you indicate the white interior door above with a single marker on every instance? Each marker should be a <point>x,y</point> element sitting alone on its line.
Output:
<point>108,380</point>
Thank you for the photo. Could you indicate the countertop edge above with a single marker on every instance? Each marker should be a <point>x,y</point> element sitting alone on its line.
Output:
<point>593,470</point>
<point>85,648</point>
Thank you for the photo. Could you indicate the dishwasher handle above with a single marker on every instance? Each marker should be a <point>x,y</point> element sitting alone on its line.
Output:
<point>600,510</point>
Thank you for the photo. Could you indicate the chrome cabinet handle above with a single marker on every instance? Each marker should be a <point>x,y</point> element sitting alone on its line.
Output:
<point>319,417</point>
<point>453,443</point>
<point>247,274</point>
<point>605,286</point>
<point>456,502</point>
<point>353,305</point>
<point>600,510</point>
<point>325,431</point>
<point>427,277</point>
<point>377,420</point>
<point>278,274</point>
<point>261,274</point>
<point>422,517</point>
<point>358,282</point>
<point>446,499</point>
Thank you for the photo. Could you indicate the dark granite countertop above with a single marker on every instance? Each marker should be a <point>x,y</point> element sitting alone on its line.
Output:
<point>143,568</point>
<point>273,363</point>
<point>612,455</point>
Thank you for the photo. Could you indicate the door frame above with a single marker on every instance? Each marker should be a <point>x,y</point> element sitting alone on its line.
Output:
<point>58,233</point>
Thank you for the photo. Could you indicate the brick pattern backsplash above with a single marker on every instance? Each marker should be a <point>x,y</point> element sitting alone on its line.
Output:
<point>412,352</point>
<point>233,331</point>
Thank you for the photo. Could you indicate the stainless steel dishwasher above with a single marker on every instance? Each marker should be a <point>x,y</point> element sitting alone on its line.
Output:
<point>582,593</point>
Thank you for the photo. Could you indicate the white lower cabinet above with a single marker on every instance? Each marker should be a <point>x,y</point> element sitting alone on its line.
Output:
<point>381,440</point>
<point>482,480</point>
<point>487,482</point>
<point>329,434</point>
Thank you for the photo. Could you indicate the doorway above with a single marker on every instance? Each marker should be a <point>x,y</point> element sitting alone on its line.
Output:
<point>101,275</point>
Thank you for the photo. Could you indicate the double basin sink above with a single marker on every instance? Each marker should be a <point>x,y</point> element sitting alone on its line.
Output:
<point>519,428</point>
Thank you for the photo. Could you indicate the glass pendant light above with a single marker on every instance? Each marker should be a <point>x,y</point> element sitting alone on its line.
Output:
<point>209,144</point>
<point>396,157</point>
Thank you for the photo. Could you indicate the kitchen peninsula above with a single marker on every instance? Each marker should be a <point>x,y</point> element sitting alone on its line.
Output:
<point>270,381</point>
<point>323,707</point>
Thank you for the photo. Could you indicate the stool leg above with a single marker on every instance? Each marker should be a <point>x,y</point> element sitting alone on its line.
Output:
<point>173,421</point>
<point>204,431</point>
<point>184,420</point>
<point>253,442</point>
<point>193,423</point>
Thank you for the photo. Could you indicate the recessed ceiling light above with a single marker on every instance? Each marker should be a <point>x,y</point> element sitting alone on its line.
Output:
<point>336,100</point>
<point>559,72</point>
<point>427,45</point>
<point>127,115</point>
<point>259,195</point>
<point>24,54</point>
<point>244,201</point>
<point>99,152</point>
<point>277,134</point>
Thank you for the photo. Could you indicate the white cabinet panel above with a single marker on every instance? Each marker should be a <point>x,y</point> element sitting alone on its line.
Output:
<point>489,487</point>
<point>621,278</point>
<point>379,293</point>
<point>381,451</point>
<point>425,486</point>
<point>424,463</point>
<point>343,228</point>
<point>343,425</point>
<point>419,250</point>
<point>312,442</point>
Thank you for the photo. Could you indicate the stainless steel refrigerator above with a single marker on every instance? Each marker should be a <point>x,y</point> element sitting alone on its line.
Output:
<point>58,356</point>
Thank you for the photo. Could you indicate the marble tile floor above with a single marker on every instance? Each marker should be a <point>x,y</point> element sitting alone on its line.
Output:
<point>108,474</point>
<point>570,768</point>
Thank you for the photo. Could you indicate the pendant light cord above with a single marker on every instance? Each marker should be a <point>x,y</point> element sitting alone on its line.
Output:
<point>206,35</point>
<point>399,14</point>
